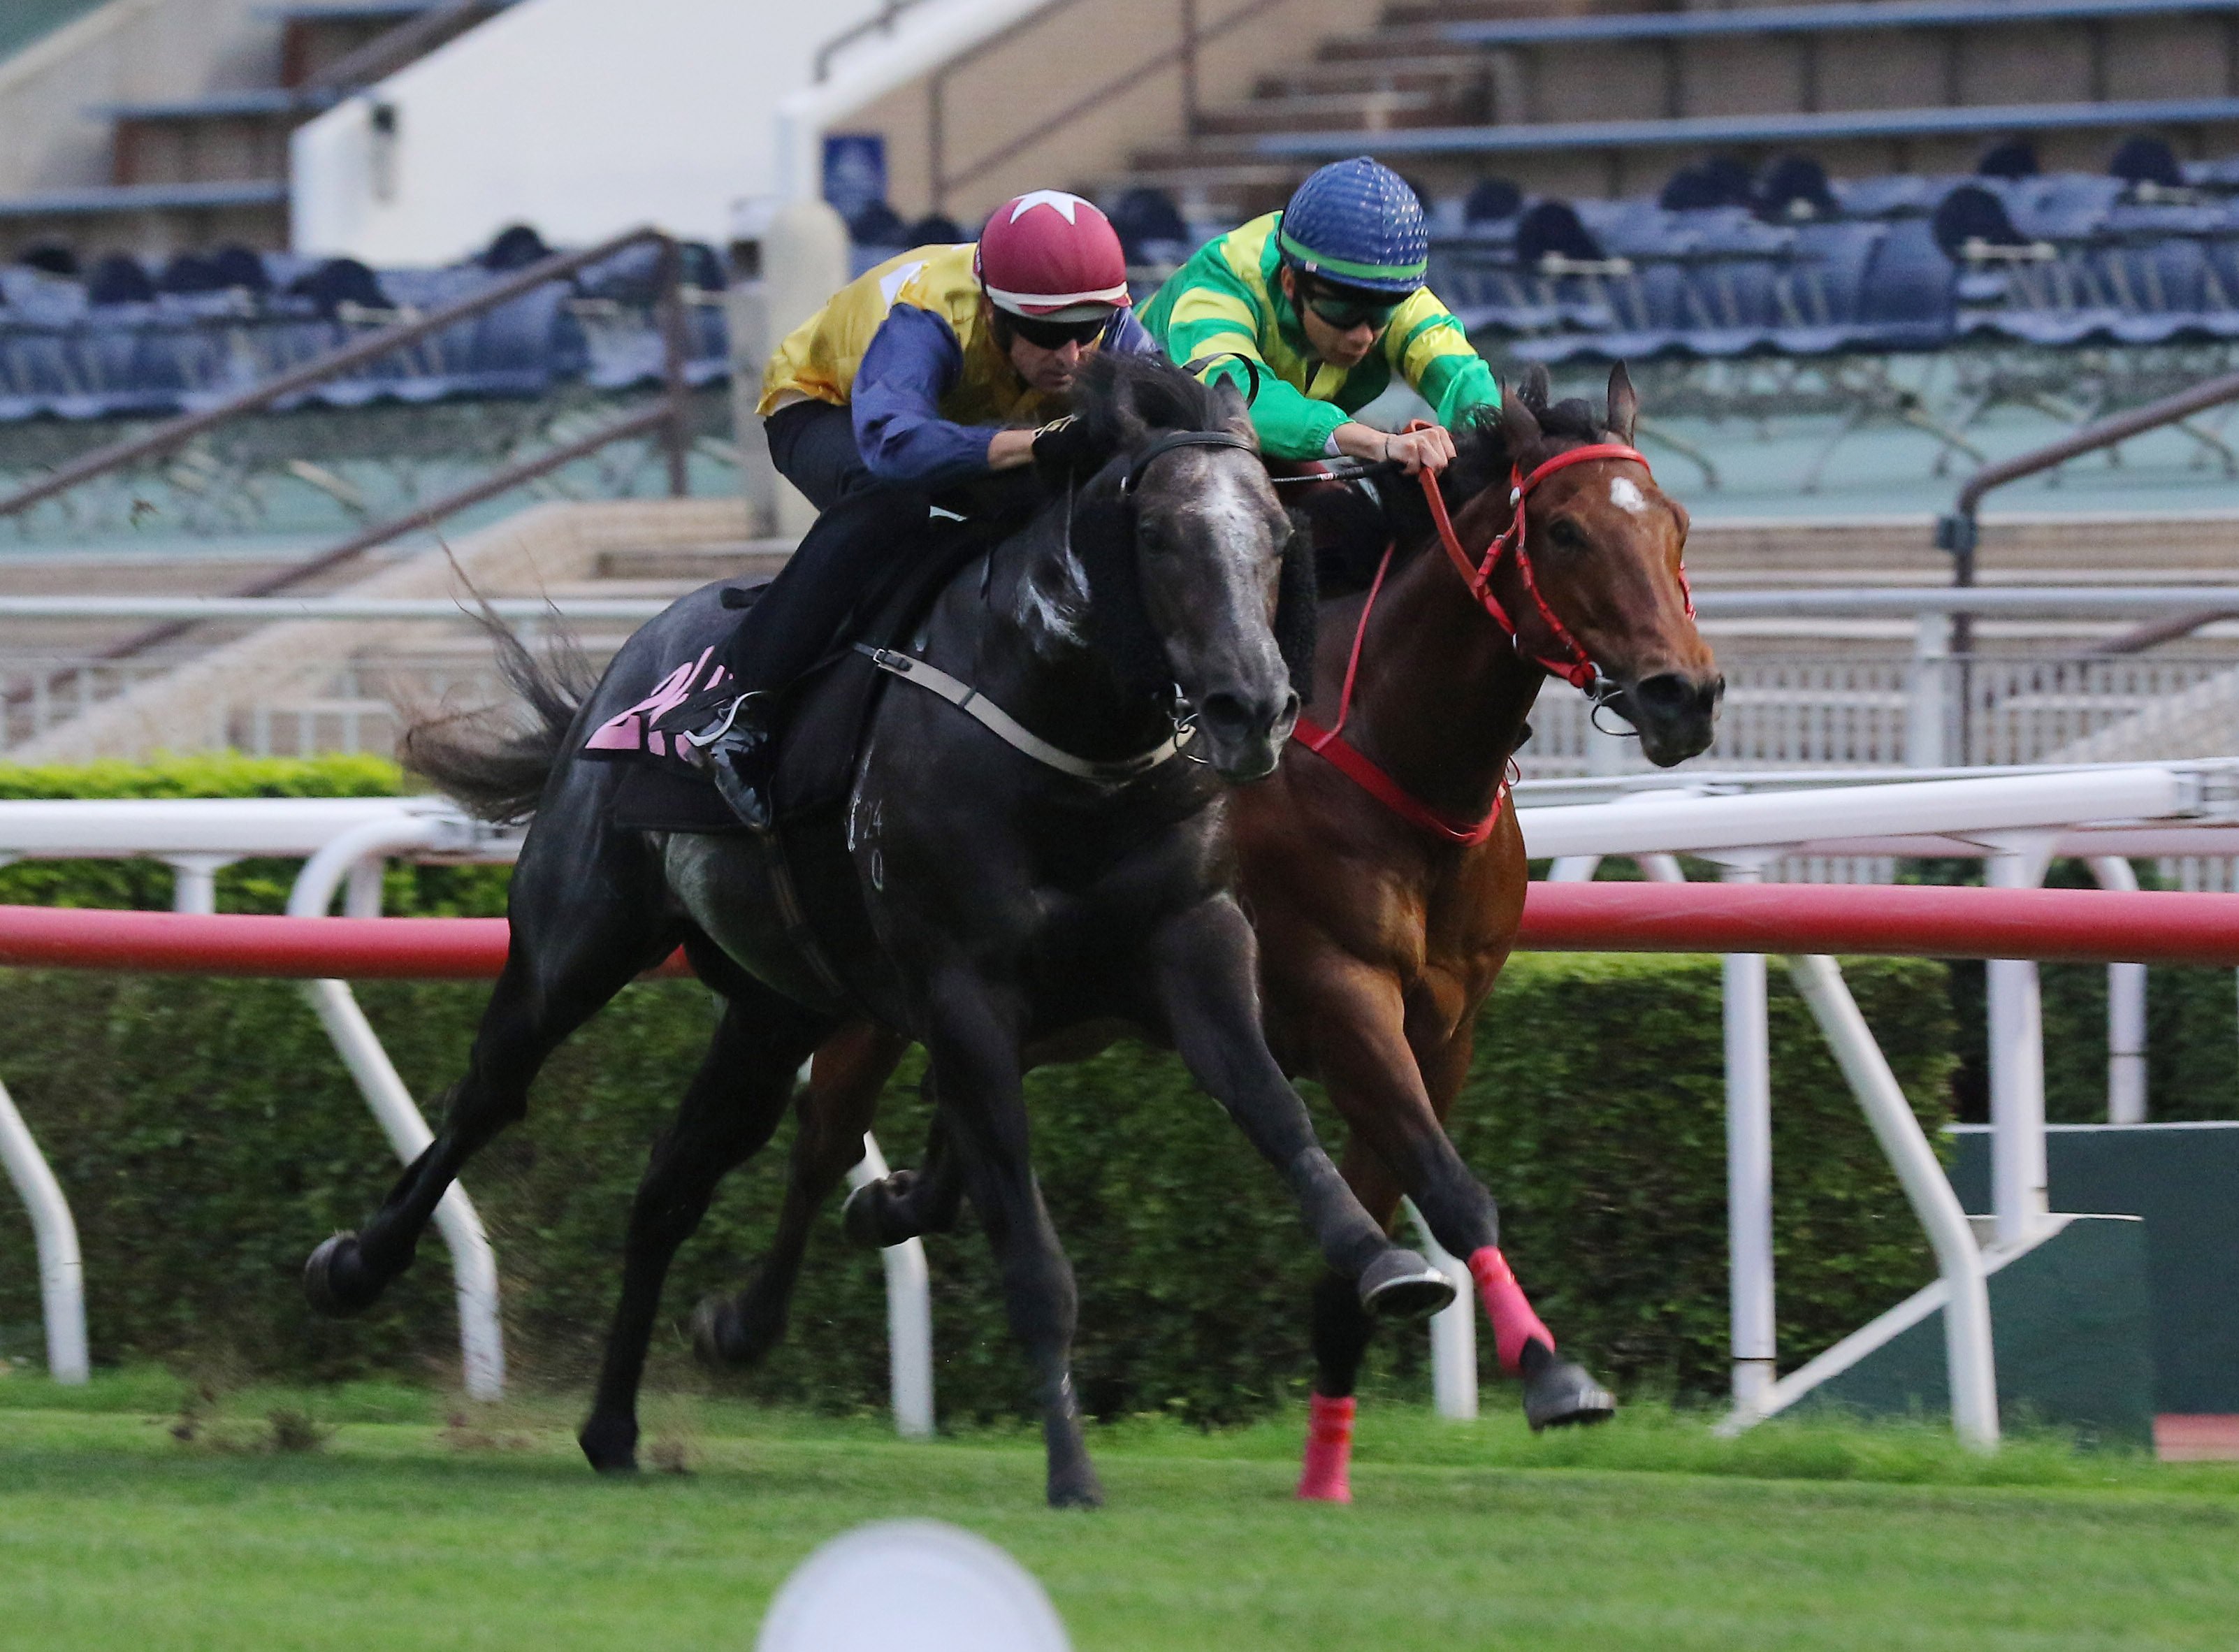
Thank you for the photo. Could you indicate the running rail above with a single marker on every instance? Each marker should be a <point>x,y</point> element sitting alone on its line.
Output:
<point>2046,925</point>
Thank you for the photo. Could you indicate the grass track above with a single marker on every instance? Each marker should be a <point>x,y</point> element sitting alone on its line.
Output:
<point>402,1534</point>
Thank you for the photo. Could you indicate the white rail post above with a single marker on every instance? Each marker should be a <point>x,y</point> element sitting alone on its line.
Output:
<point>473,1264</point>
<point>194,882</point>
<point>1927,706</point>
<point>2018,1197</point>
<point>1453,1329</point>
<point>909,1316</point>
<point>1968,1348</point>
<point>1749,1160</point>
<point>2126,1013</point>
<point>61,1272</point>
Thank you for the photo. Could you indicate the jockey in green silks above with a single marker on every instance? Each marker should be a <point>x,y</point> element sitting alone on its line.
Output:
<point>1325,298</point>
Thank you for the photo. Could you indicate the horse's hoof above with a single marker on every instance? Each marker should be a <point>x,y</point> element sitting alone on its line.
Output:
<point>758,1315</point>
<point>715,1337</point>
<point>1558,1394</point>
<point>334,1280</point>
<point>1080,1491</point>
<point>610,1444</point>
<point>867,1217</point>
<point>1401,1285</point>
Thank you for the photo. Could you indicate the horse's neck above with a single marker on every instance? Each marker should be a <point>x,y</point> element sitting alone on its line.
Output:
<point>1441,698</point>
<point>1033,652</point>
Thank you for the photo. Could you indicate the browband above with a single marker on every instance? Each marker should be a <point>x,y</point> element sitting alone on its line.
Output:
<point>1138,462</point>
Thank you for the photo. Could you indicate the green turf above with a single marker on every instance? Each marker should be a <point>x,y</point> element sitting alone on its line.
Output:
<point>418,1523</point>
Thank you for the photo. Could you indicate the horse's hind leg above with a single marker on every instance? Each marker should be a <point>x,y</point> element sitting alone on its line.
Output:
<point>571,953</point>
<point>909,1203</point>
<point>734,1104</point>
<point>835,1110</point>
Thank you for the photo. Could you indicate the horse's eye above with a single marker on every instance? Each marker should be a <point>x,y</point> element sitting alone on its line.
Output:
<point>1563,533</point>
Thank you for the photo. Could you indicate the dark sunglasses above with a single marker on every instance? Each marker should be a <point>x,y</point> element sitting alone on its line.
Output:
<point>1346,313</point>
<point>1055,335</point>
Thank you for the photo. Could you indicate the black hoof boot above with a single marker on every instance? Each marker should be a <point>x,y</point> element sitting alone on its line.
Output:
<point>869,1219</point>
<point>1558,1394</point>
<point>1401,1285</point>
<point>1076,1488</point>
<point>337,1283</point>
<point>715,1337</point>
<point>610,1444</point>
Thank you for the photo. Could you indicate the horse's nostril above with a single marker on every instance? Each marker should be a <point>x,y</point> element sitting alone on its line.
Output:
<point>1668,694</point>
<point>1238,717</point>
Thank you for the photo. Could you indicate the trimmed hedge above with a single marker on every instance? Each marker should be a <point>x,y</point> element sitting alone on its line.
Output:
<point>247,885</point>
<point>208,1137</point>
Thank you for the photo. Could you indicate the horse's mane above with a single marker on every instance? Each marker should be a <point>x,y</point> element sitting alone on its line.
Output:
<point>1122,402</point>
<point>1120,399</point>
<point>1483,457</point>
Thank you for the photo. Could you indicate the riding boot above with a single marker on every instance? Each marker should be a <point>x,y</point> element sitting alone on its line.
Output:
<point>739,750</point>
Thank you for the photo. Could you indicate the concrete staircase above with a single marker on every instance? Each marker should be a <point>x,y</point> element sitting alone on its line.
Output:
<point>318,685</point>
<point>1404,72</point>
<point>197,98</point>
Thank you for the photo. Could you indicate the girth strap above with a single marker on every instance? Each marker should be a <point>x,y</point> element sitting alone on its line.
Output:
<point>1013,733</point>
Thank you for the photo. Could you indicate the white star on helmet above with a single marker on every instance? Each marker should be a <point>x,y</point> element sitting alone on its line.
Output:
<point>1056,200</point>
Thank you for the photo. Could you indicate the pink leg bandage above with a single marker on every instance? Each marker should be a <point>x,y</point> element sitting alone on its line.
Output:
<point>1329,1450</point>
<point>1513,1322</point>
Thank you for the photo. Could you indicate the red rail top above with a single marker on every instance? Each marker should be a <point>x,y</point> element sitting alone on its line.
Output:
<point>2054,925</point>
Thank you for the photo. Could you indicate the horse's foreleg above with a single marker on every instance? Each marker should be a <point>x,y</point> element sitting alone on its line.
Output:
<point>734,1104</point>
<point>1202,973</point>
<point>1558,1392</point>
<point>835,1110</point>
<point>544,993</point>
<point>972,1039</point>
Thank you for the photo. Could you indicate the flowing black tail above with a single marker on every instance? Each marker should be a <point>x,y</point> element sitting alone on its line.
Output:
<point>488,758</point>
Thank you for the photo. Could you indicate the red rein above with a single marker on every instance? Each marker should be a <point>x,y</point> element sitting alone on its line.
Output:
<point>1578,670</point>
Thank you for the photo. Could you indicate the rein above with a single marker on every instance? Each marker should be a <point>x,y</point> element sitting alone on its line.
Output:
<point>1579,670</point>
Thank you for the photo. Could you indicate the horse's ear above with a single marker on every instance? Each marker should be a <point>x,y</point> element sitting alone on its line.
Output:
<point>1624,405</point>
<point>1536,387</point>
<point>1235,413</point>
<point>1520,425</point>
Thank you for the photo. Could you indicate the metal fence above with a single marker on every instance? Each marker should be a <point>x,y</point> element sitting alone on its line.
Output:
<point>1876,711</point>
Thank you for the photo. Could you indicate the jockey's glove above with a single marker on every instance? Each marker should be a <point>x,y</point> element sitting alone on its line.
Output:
<point>1063,444</point>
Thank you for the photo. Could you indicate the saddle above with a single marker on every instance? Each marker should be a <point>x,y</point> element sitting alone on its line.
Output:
<point>823,716</point>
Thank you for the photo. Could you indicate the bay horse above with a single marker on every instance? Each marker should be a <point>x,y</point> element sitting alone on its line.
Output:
<point>1014,897</point>
<point>1383,871</point>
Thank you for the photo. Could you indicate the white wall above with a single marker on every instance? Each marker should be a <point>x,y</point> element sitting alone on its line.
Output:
<point>581,117</point>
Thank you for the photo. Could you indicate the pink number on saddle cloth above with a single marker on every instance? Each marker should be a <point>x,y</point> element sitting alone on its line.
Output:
<point>633,730</point>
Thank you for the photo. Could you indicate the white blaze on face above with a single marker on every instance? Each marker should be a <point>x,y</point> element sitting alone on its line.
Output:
<point>1626,494</point>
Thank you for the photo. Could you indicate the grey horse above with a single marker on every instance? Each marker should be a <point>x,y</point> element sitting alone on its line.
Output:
<point>1021,904</point>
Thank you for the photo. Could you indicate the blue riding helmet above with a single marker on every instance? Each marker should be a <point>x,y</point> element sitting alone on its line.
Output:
<point>1357,224</point>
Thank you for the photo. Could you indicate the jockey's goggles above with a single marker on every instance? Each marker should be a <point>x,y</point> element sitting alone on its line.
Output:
<point>1055,335</point>
<point>1345,311</point>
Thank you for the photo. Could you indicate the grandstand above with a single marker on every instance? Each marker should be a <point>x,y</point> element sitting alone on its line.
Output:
<point>1840,291</point>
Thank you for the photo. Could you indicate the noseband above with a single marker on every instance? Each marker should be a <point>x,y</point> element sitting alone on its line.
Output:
<point>1579,670</point>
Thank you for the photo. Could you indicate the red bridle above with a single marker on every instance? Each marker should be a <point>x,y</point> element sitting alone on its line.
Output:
<point>1578,671</point>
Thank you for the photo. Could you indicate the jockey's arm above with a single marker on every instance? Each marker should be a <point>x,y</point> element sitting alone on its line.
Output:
<point>911,361</point>
<point>1428,347</point>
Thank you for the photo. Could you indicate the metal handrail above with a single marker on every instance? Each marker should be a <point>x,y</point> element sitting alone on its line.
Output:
<point>394,48</point>
<point>888,15</point>
<point>670,416</point>
<point>1958,532</point>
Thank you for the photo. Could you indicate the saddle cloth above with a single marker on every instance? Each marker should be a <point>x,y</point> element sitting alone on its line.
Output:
<point>823,716</point>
